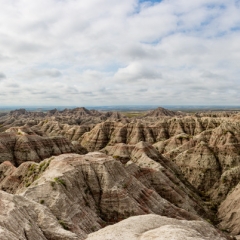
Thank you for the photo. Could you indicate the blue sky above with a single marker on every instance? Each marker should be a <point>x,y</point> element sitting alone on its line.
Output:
<point>109,52</point>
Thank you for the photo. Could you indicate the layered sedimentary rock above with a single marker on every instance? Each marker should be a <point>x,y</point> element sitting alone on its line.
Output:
<point>162,112</point>
<point>82,116</point>
<point>110,133</point>
<point>205,149</point>
<point>86,192</point>
<point>23,219</point>
<point>214,114</point>
<point>145,163</point>
<point>152,159</point>
<point>54,128</point>
<point>18,145</point>
<point>74,116</point>
<point>149,227</point>
<point>197,145</point>
<point>229,212</point>
<point>213,150</point>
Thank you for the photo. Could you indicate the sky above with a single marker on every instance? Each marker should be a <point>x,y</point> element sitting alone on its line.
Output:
<point>111,52</point>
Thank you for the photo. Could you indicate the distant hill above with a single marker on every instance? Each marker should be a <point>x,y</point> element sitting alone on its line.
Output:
<point>162,112</point>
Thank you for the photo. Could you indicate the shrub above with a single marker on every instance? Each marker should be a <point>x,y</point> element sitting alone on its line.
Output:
<point>63,224</point>
<point>60,181</point>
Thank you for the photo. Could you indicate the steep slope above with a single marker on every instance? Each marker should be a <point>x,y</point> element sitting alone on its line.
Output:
<point>94,188</point>
<point>229,213</point>
<point>18,145</point>
<point>198,145</point>
<point>154,160</point>
<point>162,112</point>
<point>214,149</point>
<point>145,163</point>
<point>74,116</point>
<point>54,128</point>
<point>22,219</point>
<point>110,133</point>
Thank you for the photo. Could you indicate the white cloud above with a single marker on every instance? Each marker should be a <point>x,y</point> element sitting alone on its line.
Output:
<point>2,76</point>
<point>63,52</point>
<point>40,73</point>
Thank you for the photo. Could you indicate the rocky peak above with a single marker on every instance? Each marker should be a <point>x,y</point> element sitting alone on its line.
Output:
<point>162,112</point>
<point>18,112</point>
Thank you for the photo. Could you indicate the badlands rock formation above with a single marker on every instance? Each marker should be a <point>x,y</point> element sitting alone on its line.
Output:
<point>86,192</point>
<point>19,145</point>
<point>154,227</point>
<point>229,212</point>
<point>160,174</point>
<point>110,133</point>
<point>54,128</point>
<point>74,116</point>
<point>162,112</point>
<point>23,219</point>
<point>181,167</point>
<point>199,146</point>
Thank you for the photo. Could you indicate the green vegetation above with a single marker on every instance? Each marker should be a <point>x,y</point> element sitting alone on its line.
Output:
<point>60,181</point>
<point>63,224</point>
<point>94,228</point>
<point>53,185</point>
<point>226,131</point>
<point>224,179</point>
<point>43,166</point>
<point>224,230</point>
<point>133,114</point>
<point>185,136</point>
<point>28,184</point>
<point>214,206</point>
<point>34,171</point>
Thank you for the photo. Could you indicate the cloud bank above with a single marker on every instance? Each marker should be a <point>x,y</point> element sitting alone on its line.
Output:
<point>109,52</point>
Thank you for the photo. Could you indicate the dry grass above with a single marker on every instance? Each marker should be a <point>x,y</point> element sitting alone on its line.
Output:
<point>133,114</point>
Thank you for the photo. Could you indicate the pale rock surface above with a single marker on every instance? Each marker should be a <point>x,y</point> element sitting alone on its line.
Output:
<point>74,116</point>
<point>195,146</point>
<point>163,112</point>
<point>55,128</point>
<point>229,212</point>
<point>21,144</point>
<point>86,192</point>
<point>146,164</point>
<point>214,149</point>
<point>110,133</point>
<point>23,219</point>
<point>154,227</point>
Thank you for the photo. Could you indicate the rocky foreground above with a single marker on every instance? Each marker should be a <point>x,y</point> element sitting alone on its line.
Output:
<point>148,227</point>
<point>80,174</point>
